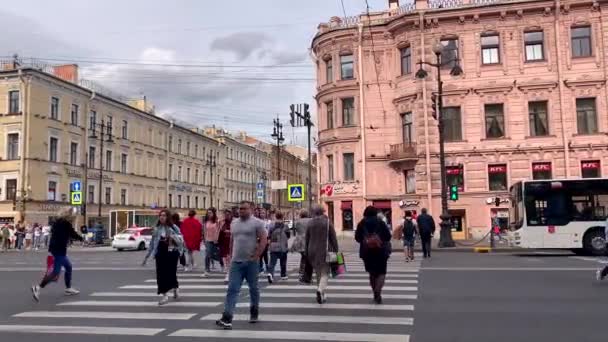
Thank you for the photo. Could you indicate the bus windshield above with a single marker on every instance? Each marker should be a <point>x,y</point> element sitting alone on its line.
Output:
<point>561,202</point>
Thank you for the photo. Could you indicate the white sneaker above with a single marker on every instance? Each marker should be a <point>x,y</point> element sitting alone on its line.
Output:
<point>176,294</point>
<point>285,278</point>
<point>187,269</point>
<point>205,275</point>
<point>226,279</point>
<point>598,274</point>
<point>163,300</point>
<point>270,278</point>
<point>71,291</point>
<point>36,292</point>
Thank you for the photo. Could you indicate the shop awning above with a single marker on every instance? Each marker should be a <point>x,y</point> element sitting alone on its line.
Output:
<point>382,204</point>
<point>346,205</point>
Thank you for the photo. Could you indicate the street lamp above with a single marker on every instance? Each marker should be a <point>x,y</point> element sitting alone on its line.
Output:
<point>445,237</point>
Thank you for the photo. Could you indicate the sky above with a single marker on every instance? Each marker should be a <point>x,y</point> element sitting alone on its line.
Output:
<point>200,62</point>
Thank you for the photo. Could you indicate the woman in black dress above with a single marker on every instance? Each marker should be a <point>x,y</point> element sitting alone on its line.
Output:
<point>374,238</point>
<point>166,246</point>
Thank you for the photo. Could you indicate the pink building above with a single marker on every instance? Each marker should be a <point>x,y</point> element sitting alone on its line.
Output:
<point>531,103</point>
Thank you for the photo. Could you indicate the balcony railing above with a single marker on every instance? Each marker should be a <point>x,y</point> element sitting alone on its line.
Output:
<point>405,151</point>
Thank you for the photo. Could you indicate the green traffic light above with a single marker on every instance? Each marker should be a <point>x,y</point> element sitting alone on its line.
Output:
<point>454,192</point>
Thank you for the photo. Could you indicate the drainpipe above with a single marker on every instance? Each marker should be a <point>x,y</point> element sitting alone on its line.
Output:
<point>427,148</point>
<point>561,88</point>
<point>362,114</point>
<point>25,105</point>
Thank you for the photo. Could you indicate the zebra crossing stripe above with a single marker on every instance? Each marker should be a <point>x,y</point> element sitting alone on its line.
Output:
<point>84,330</point>
<point>323,319</point>
<point>137,303</point>
<point>386,307</point>
<point>107,315</point>
<point>289,335</point>
<point>264,294</point>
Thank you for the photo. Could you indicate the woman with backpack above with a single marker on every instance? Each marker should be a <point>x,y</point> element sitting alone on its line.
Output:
<point>278,236</point>
<point>166,246</point>
<point>374,238</point>
<point>408,231</point>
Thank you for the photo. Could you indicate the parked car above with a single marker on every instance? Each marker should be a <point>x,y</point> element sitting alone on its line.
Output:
<point>133,238</point>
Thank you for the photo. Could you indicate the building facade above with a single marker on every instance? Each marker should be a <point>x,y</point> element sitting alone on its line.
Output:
<point>52,135</point>
<point>531,103</point>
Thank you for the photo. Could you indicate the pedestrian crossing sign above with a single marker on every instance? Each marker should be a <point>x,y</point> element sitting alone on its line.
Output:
<point>76,198</point>
<point>295,192</point>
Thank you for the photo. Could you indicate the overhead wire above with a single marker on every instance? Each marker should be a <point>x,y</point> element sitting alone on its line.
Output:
<point>371,34</point>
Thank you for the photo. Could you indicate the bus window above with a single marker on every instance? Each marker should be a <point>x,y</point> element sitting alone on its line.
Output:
<point>517,207</point>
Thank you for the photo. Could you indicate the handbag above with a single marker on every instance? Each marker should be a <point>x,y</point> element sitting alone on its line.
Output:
<point>333,258</point>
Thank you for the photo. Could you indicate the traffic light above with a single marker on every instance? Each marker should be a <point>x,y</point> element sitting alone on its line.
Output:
<point>454,193</point>
<point>434,106</point>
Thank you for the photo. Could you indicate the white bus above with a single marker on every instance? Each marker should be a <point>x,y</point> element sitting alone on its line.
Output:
<point>560,214</point>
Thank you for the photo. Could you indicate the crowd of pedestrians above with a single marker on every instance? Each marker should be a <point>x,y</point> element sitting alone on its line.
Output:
<point>24,237</point>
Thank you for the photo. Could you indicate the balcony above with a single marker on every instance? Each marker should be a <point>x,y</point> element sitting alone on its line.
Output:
<point>403,152</point>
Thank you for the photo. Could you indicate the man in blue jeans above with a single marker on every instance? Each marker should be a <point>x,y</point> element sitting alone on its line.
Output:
<point>248,240</point>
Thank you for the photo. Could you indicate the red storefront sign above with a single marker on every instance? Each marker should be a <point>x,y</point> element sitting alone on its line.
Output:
<point>541,167</point>
<point>497,169</point>
<point>327,190</point>
<point>590,165</point>
<point>453,170</point>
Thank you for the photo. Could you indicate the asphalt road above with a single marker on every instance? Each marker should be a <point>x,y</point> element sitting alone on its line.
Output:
<point>452,297</point>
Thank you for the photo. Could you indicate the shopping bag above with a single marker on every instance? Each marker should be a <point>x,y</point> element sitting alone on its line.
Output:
<point>338,267</point>
<point>50,266</point>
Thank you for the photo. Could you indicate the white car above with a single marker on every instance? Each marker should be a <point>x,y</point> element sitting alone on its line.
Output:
<point>133,238</point>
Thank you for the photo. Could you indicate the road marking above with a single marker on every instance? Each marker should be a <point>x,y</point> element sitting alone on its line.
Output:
<point>85,330</point>
<point>38,269</point>
<point>323,319</point>
<point>264,294</point>
<point>374,307</point>
<point>598,260</point>
<point>107,315</point>
<point>524,269</point>
<point>343,287</point>
<point>137,304</point>
<point>294,282</point>
<point>290,335</point>
<point>216,287</point>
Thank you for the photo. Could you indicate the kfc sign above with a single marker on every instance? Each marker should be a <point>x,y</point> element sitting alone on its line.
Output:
<point>541,167</point>
<point>590,165</point>
<point>497,169</point>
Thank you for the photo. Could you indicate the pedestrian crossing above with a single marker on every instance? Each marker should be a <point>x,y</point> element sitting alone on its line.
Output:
<point>288,309</point>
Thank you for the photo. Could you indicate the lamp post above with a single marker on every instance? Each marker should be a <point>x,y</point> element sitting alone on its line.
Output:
<point>212,163</point>
<point>445,237</point>
<point>277,134</point>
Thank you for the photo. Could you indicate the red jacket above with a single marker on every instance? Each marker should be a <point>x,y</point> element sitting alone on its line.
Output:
<point>192,230</point>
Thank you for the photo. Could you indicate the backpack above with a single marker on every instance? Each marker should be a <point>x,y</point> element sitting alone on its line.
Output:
<point>373,241</point>
<point>409,230</point>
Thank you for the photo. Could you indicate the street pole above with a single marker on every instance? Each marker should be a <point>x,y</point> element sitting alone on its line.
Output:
<point>308,123</point>
<point>277,134</point>
<point>445,236</point>
<point>101,129</point>
<point>211,164</point>
<point>85,190</point>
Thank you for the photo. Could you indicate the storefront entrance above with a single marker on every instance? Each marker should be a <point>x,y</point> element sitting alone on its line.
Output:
<point>385,208</point>
<point>459,229</point>
<point>347,215</point>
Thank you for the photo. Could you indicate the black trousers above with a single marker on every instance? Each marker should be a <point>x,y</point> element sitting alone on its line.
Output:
<point>426,245</point>
<point>305,270</point>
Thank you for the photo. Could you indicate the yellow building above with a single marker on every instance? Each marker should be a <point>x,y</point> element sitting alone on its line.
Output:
<point>51,130</point>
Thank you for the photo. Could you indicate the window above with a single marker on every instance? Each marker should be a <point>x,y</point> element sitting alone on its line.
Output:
<point>123,196</point>
<point>108,195</point>
<point>52,191</point>
<point>179,173</point>
<point>348,111</point>
<point>541,171</point>
<point>108,160</point>
<point>586,117</point>
<point>170,200</point>
<point>93,121</point>
<point>74,115</point>
<point>53,145</point>
<point>406,128</point>
<point>188,175</point>
<point>346,67</point>
<point>329,70</point>
<point>410,181</point>
<point>349,166</point>
<point>125,129</point>
<point>179,146</point>
<point>12,152</point>
<point>449,54</point>
<point>591,169</point>
<point>204,177</point>
<point>170,143</point>
<point>196,151</point>
<point>330,168</point>
<point>196,175</point>
<point>91,194</point>
<point>539,122</point>
<point>455,176</point>
<point>329,106</point>
<point>123,163</point>
<point>490,49</point>
<point>11,189</point>
<point>55,108</point>
<point>406,60</point>
<point>495,121</point>
<point>187,148</point>
<point>452,124</point>
<point>204,202</point>
<point>13,102</point>
<point>188,201</point>
<point>196,202</point>
<point>534,43</point>
<point>109,125</point>
<point>497,177</point>
<point>92,157</point>
<point>179,201</point>
<point>73,153</point>
<point>581,41</point>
